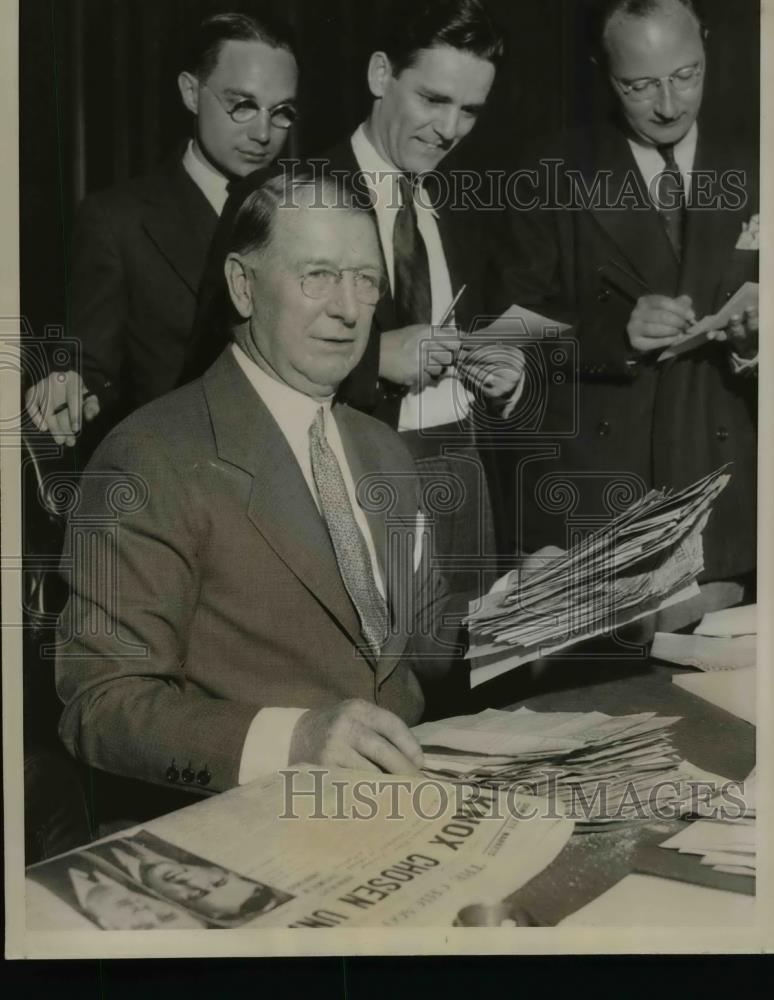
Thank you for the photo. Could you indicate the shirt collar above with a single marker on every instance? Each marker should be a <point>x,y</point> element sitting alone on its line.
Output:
<point>212,183</point>
<point>379,174</point>
<point>684,150</point>
<point>293,411</point>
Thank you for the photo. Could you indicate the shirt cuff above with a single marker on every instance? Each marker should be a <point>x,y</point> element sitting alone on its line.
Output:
<point>741,365</point>
<point>267,744</point>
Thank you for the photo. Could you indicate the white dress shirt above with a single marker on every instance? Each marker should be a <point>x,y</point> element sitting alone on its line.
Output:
<point>447,400</point>
<point>651,163</point>
<point>267,744</point>
<point>211,182</point>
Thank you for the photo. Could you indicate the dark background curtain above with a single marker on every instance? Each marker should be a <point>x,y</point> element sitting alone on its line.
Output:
<point>99,100</point>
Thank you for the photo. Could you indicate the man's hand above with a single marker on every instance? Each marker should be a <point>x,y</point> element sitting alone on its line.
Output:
<point>529,565</point>
<point>59,404</point>
<point>741,333</point>
<point>357,735</point>
<point>657,321</point>
<point>414,356</point>
<point>493,370</point>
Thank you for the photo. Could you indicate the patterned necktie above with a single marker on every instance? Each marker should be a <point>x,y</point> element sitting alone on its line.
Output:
<point>412,270</point>
<point>348,542</point>
<point>670,198</point>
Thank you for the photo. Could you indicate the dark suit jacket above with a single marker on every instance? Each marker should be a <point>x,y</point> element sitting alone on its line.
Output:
<point>136,261</point>
<point>463,234</point>
<point>646,424</point>
<point>229,596</point>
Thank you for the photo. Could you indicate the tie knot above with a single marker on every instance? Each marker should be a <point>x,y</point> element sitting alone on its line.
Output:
<point>406,186</point>
<point>317,426</point>
<point>667,152</point>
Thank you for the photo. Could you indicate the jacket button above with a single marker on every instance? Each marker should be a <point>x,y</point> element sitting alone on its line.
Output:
<point>172,773</point>
<point>203,777</point>
<point>188,775</point>
<point>722,433</point>
<point>603,428</point>
<point>603,295</point>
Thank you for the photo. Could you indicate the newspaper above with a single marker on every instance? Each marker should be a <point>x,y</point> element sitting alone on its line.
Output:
<point>316,848</point>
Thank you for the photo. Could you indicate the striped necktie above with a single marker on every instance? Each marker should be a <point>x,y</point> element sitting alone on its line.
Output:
<point>669,195</point>
<point>348,542</point>
<point>412,269</point>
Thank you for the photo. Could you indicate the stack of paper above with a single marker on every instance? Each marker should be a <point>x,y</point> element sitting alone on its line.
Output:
<point>643,560</point>
<point>726,842</point>
<point>594,768</point>
<point>723,640</point>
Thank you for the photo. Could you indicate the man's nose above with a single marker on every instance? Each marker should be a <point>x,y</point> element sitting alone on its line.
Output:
<point>665,102</point>
<point>259,128</point>
<point>343,302</point>
<point>447,123</point>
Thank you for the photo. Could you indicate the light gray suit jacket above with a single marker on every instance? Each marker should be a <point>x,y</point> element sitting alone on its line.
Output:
<point>228,594</point>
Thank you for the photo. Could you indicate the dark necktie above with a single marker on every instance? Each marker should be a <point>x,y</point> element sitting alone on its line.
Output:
<point>348,542</point>
<point>412,270</point>
<point>670,198</point>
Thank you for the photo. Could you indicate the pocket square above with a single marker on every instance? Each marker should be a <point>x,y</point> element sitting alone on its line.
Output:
<point>749,236</point>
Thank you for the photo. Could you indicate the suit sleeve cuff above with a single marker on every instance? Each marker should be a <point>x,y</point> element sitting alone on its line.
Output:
<point>267,744</point>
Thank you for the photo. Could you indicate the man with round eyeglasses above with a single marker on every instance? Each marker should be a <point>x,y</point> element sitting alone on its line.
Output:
<point>138,249</point>
<point>648,229</point>
<point>278,570</point>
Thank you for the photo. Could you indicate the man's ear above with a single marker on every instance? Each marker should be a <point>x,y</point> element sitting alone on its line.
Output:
<point>239,287</point>
<point>188,85</point>
<point>379,73</point>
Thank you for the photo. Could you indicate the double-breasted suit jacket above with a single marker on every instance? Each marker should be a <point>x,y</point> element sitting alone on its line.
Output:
<point>584,252</point>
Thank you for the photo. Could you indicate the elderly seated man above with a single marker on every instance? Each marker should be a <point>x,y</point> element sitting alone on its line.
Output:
<point>272,568</point>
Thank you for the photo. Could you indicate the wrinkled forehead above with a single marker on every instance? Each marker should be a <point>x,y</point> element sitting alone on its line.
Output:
<point>653,46</point>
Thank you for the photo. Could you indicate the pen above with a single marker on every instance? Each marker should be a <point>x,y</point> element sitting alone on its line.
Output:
<point>63,406</point>
<point>448,314</point>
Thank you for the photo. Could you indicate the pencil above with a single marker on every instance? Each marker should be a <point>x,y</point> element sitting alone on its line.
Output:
<point>448,314</point>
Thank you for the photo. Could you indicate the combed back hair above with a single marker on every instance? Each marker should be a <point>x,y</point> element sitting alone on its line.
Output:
<point>603,11</point>
<point>254,221</point>
<point>408,26</point>
<point>213,32</point>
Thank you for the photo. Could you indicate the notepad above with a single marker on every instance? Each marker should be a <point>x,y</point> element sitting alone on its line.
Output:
<point>745,296</point>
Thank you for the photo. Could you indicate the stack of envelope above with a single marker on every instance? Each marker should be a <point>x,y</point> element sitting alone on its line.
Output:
<point>643,560</point>
<point>597,769</point>
<point>726,842</point>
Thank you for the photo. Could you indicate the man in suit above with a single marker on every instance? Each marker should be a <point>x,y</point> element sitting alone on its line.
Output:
<point>632,231</point>
<point>258,620</point>
<point>139,248</point>
<point>429,77</point>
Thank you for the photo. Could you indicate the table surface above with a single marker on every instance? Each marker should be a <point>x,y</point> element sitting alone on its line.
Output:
<point>708,737</point>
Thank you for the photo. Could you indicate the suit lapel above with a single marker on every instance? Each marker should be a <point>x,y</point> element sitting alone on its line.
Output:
<point>645,246</point>
<point>711,235</point>
<point>281,506</point>
<point>180,221</point>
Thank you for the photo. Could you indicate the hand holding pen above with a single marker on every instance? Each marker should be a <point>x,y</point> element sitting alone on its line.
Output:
<point>60,404</point>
